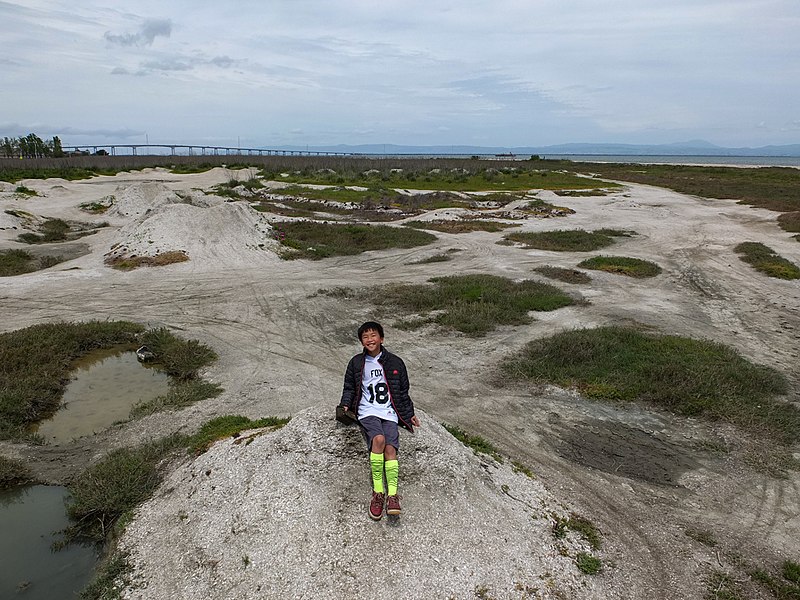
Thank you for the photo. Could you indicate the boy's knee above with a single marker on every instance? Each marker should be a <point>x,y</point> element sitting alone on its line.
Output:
<point>378,444</point>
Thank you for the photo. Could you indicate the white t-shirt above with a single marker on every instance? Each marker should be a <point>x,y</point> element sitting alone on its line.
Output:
<point>375,401</point>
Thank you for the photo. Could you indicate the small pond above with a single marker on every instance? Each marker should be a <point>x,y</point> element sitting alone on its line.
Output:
<point>106,384</point>
<point>29,517</point>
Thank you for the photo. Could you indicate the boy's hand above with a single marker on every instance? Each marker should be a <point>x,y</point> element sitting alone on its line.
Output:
<point>415,421</point>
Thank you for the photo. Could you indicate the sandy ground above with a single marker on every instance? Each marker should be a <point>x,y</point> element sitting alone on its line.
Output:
<point>642,476</point>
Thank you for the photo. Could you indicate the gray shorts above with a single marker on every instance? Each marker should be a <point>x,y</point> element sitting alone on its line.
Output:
<point>372,426</point>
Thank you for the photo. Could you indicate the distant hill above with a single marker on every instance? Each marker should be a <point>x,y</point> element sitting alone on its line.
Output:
<point>690,148</point>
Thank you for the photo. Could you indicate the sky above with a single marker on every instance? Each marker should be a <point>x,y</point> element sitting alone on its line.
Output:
<point>505,73</point>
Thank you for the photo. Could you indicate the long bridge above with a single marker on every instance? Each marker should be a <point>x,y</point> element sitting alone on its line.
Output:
<point>197,150</point>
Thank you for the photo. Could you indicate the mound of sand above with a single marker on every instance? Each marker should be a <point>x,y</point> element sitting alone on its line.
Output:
<point>141,198</point>
<point>227,232</point>
<point>283,514</point>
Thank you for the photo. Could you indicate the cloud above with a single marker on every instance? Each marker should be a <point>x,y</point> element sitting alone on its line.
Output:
<point>15,129</point>
<point>169,64</point>
<point>150,30</point>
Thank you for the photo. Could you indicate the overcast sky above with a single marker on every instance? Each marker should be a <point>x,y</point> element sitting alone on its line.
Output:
<point>508,73</point>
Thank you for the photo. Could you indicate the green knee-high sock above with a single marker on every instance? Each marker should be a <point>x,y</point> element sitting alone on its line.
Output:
<point>376,465</point>
<point>392,471</point>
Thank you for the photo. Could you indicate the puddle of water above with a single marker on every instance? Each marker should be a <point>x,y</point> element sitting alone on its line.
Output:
<point>28,518</point>
<point>106,384</point>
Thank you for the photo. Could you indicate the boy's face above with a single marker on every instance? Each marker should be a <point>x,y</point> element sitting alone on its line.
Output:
<point>371,340</point>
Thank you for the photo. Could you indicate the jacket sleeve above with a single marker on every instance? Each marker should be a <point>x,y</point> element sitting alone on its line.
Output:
<point>349,387</point>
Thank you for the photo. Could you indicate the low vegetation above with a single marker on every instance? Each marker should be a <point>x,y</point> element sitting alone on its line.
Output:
<point>180,395</point>
<point>472,304</point>
<point>478,444</point>
<point>128,263</point>
<point>573,240</point>
<point>683,375</point>
<point>467,176</point>
<point>19,262</point>
<point>436,258</point>
<point>622,265</point>
<point>588,563</point>
<point>580,525</point>
<point>58,230</point>
<point>460,225</point>
<point>773,188</point>
<point>584,193</point>
<point>315,241</point>
<point>13,472</point>
<point>785,585</point>
<point>565,275</point>
<point>103,497</point>
<point>35,364</point>
<point>790,221</point>
<point>764,259</point>
<point>228,426</point>
<point>703,536</point>
<point>25,191</point>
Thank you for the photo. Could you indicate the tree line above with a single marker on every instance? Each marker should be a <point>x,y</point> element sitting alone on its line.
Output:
<point>31,146</point>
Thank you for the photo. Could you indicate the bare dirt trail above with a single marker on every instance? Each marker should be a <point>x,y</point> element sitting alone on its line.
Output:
<point>283,347</point>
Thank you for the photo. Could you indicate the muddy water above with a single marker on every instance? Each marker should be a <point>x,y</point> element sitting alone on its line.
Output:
<point>30,569</point>
<point>106,384</point>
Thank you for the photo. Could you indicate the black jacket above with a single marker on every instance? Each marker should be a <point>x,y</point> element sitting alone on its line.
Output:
<point>394,370</point>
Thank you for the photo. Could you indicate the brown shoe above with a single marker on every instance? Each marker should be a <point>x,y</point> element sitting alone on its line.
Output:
<point>376,506</point>
<point>393,505</point>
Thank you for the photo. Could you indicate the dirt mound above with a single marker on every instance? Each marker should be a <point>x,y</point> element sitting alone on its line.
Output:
<point>141,198</point>
<point>284,515</point>
<point>230,232</point>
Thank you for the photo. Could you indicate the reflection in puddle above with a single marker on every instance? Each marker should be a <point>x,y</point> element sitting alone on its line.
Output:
<point>107,384</point>
<point>28,518</point>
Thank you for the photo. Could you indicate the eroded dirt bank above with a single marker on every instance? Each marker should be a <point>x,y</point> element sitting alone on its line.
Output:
<point>642,476</point>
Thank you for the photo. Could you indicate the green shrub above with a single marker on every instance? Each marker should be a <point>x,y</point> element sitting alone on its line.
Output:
<point>474,304</point>
<point>687,376</point>
<point>13,472</point>
<point>575,240</point>
<point>622,265</point>
<point>313,240</point>
<point>764,259</point>
<point>588,564</point>
<point>565,275</point>
<point>228,426</point>
<point>478,444</point>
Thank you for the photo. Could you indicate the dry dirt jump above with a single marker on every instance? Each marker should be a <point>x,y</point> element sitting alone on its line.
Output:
<point>284,514</point>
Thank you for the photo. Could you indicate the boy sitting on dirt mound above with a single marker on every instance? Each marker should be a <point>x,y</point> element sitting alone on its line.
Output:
<point>375,392</point>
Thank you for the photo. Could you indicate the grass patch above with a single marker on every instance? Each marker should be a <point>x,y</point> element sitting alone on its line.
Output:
<point>13,473</point>
<point>128,263</point>
<point>315,241</point>
<point>774,188</point>
<point>790,221</point>
<point>478,444</point>
<point>575,240</point>
<point>565,275</point>
<point>12,175</point>
<point>228,426</point>
<point>683,375</point>
<point>436,258</point>
<point>479,178</point>
<point>459,226</point>
<point>19,262</point>
<point>722,587</point>
<point>35,363</point>
<point>764,259</point>
<point>25,191</point>
<point>580,525</point>
<point>126,477</point>
<point>474,304</point>
<point>122,480</point>
<point>622,265</point>
<point>112,574</point>
<point>180,395</point>
<point>785,586</point>
<point>588,563</point>
<point>583,193</point>
<point>58,230</point>
<point>703,536</point>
